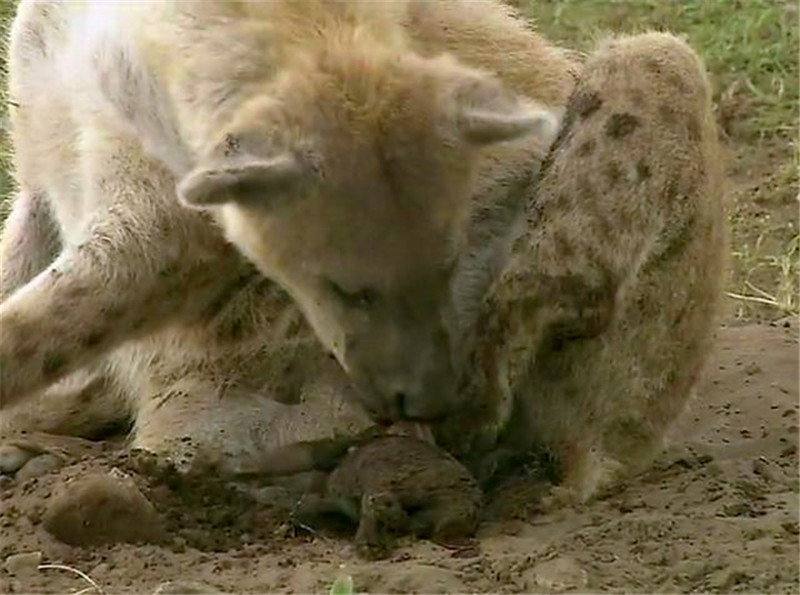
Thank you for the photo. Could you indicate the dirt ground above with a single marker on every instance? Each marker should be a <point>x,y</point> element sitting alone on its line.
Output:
<point>717,513</point>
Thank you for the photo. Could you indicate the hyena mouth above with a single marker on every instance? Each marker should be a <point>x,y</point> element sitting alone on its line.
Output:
<point>412,429</point>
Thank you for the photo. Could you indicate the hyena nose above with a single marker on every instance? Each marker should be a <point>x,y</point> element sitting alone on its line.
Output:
<point>417,405</point>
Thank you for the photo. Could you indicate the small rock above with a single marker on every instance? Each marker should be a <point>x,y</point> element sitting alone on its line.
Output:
<point>21,564</point>
<point>691,570</point>
<point>275,495</point>
<point>791,527</point>
<point>556,575</point>
<point>752,368</point>
<point>12,458</point>
<point>185,588</point>
<point>100,508</point>
<point>725,578</point>
<point>743,508</point>
<point>40,465</point>
<point>768,471</point>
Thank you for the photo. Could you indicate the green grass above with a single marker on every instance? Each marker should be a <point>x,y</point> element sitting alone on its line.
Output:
<point>6,181</point>
<point>748,46</point>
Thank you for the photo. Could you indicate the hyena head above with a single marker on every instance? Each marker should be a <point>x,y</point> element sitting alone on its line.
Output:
<point>349,183</point>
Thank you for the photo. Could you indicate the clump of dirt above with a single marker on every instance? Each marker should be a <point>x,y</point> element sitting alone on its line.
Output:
<point>123,496</point>
<point>101,508</point>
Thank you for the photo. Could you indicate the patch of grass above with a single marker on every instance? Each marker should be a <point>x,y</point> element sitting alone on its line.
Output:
<point>343,584</point>
<point>7,9</point>
<point>749,48</point>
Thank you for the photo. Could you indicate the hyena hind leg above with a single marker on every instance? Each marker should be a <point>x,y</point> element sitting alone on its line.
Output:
<point>632,197</point>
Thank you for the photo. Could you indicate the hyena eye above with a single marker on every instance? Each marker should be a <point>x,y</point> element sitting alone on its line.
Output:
<point>362,299</point>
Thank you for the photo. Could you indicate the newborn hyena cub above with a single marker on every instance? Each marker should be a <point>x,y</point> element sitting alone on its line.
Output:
<point>397,484</point>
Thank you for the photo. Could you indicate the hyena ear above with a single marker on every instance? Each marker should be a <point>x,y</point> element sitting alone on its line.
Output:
<point>488,113</point>
<point>244,179</point>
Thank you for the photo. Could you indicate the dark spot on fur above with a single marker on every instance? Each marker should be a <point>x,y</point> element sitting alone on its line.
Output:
<point>558,143</point>
<point>585,188</point>
<point>621,125</point>
<point>586,148</point>
<point>563,199</point>
<point>236,330</point>
<point>613,173</point>
<point>227,293</point>
<point>642,169</point>
<point>25,351</point>
<point>564,247</point>
<point>53,363</point>
<point>95,338</point>
<point>653,65</point>
<point>586,302</point>
<point>693,128</point>
<point>673,242</point>
<point>231,145</point>
<point>114,312</point>
<point>679,82</point>
<point>625,219</point>
<point>584,102</point>
<point>671,191</point>
<point>138,323</point>
<point>76,292</point>
<point>667,114</point>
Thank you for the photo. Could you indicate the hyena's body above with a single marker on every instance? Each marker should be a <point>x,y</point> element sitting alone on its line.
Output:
<point>586,297</point>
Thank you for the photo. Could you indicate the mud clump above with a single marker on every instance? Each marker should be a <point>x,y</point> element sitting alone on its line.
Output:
<point>102,508</point>
<point>394,485</point>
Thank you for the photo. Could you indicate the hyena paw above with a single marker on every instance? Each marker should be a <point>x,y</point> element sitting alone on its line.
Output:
<point>30,455</point>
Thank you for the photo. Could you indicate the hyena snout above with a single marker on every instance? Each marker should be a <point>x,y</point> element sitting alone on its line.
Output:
<point>417,384</point>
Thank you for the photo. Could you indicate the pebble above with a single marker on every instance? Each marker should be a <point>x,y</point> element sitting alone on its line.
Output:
<point>752,368</point>
<point>763,467</point>
<point>24,563</point>
<point>185,588</point>
<point>557,575</point>
<point>40,465</point>
<point>12,458</point>
<point>101,508</point>
<point>725,578</point>
<point>791,527</point>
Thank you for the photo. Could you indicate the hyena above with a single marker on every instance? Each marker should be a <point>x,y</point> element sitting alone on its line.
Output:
<point>484,232</point>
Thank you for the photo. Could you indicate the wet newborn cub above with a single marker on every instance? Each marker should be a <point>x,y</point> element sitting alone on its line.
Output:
<point>397,484</point>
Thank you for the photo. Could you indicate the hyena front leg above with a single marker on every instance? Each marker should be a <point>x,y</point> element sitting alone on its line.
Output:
<point>82,404</point>
<point>30,241</point>
<point>143,261</point>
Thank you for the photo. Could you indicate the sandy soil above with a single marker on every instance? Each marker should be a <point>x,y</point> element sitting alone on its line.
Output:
<point>718,512</point>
